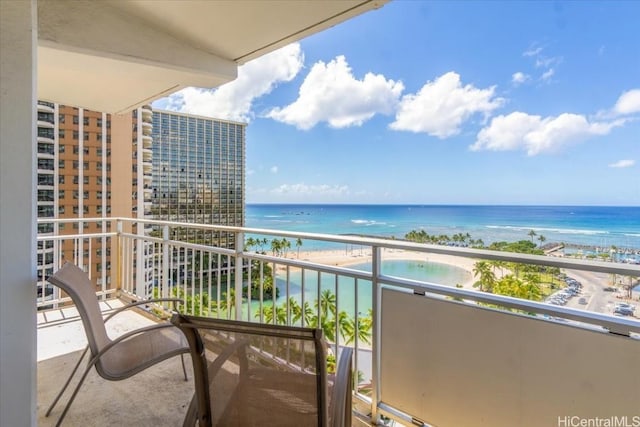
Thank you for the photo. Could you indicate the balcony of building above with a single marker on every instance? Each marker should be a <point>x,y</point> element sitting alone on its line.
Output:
<point>423,349</point>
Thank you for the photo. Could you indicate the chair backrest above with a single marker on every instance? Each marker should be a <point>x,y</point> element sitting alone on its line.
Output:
<point>249,374</point>
<point>77,285</point>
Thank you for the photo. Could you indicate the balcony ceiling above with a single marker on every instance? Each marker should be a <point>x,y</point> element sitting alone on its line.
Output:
<point>113,56</point>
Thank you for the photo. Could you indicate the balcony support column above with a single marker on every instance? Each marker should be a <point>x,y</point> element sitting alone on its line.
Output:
<point>18,201</point>
<point>376,263</point>
<point>238,268</point>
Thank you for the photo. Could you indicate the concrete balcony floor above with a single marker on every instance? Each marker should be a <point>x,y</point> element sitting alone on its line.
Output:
<point>158,396</point>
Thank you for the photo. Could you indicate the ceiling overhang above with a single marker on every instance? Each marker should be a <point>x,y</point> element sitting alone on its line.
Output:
<point>114,56</point>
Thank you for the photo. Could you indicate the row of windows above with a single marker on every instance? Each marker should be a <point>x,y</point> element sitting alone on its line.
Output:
<point>62,133</point>
<point>85,194</point>
<point>85,165</point>
<point>86,121</point>
<point>76,179</point>
<point>85,209</point>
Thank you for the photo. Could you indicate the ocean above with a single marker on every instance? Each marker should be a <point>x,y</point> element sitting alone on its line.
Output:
<point>587,226</point>
<point>594,226</point>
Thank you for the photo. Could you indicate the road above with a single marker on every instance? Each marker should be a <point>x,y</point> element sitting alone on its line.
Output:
<point>598,300</point>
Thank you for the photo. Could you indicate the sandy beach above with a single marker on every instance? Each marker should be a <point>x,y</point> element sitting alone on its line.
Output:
<point>343,258</point>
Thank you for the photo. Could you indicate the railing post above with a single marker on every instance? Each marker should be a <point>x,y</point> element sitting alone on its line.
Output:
<point>165,262</point>
<point>376,263</point>
<point>118,267</point>
<point>238,269</point>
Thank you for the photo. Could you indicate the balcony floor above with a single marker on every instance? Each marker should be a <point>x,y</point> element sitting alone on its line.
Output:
<point>157,396</point>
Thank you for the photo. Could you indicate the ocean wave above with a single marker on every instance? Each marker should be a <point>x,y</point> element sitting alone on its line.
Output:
<point>549,230</point>
<point>367,222</point>
<point>273,216</point>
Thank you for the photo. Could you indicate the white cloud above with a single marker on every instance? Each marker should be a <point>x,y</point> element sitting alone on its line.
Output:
<point>274,169</point>
<point>519,77</point>
<point>441,106</point>
<point>547,75</point>
<point>628,103</point>
<point>535,134</point>
<point>233,101</point>
<point>623,163</point>
<point>311,190</point>
<point>532,51</point>
<point>332,94</point>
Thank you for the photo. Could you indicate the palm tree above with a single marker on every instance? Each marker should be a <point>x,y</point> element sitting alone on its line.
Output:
<point>487,279</point>
<point>532,234</point>
<point>542,239</point>
<point>250,243</point>
<point>298,244</point>
<point>276,247</point>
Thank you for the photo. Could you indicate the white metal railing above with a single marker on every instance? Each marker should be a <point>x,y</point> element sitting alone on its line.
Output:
<point>234,282</point>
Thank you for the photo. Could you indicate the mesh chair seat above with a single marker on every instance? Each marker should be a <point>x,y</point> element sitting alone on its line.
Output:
<point>249,374</point>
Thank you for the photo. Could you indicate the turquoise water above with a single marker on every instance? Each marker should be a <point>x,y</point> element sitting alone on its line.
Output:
<point>418,270</point>
<point>582,225</point>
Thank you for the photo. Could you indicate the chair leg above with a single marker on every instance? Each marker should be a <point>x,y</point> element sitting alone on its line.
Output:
<point>66,384</point>
<point>90,365</point>
<point>184,369</point>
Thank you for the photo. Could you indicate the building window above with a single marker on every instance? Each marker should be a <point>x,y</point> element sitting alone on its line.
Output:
<point>60,133</point>
<point>60,179</point>
<point>61,210</point>
<point>75,210</point>
<point>61,148</point>
<point>76,135</point>
<point>76,149</point>
<point>99,121</point>
<point>99,194</point>
<point>76,120</point>
<point>86,136</point>
<point>85,121</point>
<point>61,194</point>
<point>99,165</point>
<point>99,180</point>
<point>99,209</point>
<point>85,195</point>
<point>75,164</point>
<point>85,150</point>
<point>61,164</point>
<point>61,118</point>
<point>75,194</point>
<point>99,152</point>
<point>85,179</point>
<point>85,165</point>
<point>85,209</point>
<point>76,179</point>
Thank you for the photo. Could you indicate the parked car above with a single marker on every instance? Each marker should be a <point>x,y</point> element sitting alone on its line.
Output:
<point>624,311</point>
<point>626,305</point>
<point>582,300</point>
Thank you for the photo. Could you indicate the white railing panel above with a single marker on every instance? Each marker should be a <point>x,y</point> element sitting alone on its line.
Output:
<point>455,364</point>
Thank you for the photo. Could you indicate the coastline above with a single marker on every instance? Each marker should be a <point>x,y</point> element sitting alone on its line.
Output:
<point>345,258</point>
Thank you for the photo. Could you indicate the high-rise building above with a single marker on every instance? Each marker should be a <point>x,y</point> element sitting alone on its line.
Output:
<point>198,173</point>
<point>75,182</point>
<point>177,167</point>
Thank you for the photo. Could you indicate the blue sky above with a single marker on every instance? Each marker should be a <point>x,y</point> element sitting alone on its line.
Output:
<point>445,103</point>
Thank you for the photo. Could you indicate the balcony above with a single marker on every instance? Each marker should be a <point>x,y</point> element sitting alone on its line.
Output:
<point>422,347</point>
<point>147,141</point>
<point>146,128</point>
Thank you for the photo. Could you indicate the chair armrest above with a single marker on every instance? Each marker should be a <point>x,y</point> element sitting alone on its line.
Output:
<point>143,302</point>
<point>341,399</point>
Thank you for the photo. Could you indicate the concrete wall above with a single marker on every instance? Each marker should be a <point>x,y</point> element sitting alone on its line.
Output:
<point>18,41</point>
